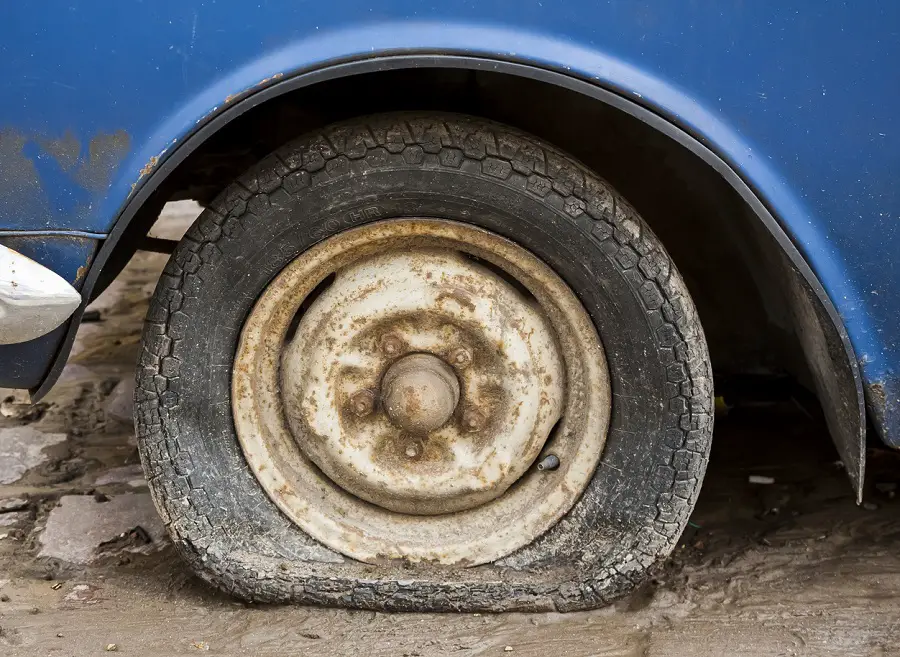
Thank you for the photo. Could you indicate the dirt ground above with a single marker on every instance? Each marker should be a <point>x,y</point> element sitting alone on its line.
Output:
<point>792,567</point>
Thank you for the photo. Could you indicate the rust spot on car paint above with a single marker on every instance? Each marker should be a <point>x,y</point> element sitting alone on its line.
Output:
<point>148,168</point>
<point>19,181</point>
<point>877,402</point>
<point>105,152</point>
<point>64,150</point>
<point>876,392</point>
<point>262,83</point>
<point>267,80</point>
<point>24,155</point>
<point>94,169</point>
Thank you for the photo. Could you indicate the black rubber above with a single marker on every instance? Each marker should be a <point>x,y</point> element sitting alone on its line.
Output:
<point>452,167</point>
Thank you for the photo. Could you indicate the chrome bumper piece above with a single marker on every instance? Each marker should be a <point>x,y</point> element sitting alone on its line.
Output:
<point>33,299</point>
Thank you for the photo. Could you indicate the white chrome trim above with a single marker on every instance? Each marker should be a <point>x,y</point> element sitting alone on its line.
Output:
<point>33,299</point>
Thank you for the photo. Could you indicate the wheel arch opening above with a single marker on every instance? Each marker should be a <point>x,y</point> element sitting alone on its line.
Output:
<point>756,308</point>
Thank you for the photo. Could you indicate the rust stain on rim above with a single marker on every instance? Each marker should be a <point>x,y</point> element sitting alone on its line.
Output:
<point>276,429</point>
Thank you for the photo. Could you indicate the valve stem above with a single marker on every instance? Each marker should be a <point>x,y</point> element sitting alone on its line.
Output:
<point>549,462</point>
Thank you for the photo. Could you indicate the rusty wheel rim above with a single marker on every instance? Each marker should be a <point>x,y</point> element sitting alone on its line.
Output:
<point>445,398</point>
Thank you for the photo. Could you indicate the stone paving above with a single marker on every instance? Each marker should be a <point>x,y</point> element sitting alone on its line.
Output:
<point>70,480</point>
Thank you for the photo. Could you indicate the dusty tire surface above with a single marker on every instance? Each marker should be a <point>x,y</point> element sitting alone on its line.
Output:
<point>423,165</point>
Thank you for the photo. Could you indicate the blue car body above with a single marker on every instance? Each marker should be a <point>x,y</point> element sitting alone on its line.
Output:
<point>797,100</point>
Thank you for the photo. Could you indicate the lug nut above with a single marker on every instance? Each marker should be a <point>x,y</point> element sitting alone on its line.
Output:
<point>362,402</point>
<point>472,420</point>
<point>391,344</point>
<point>461,357</point>
<point>549,462</point>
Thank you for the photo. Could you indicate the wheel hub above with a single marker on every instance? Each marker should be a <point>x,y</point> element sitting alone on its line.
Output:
<point>462,370</point>
<point>419,393</point>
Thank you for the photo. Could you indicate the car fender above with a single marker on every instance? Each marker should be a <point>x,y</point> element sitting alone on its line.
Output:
<point>802,236</point>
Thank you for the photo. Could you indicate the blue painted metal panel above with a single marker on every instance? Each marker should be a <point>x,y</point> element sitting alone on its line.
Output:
<point>801,97</point>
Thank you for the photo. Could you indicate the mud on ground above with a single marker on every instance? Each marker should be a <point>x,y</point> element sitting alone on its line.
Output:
<point>792,567</point>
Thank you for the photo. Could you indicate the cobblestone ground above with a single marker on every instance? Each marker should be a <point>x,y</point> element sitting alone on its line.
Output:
<point>791,567</point>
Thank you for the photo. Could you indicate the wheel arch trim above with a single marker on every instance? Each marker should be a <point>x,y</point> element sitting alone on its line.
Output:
<point>710,145</point>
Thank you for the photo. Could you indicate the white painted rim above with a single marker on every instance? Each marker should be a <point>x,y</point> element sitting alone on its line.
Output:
<point>480,533</point>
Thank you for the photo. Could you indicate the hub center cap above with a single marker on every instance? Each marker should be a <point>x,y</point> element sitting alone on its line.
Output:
<point>420,393</point>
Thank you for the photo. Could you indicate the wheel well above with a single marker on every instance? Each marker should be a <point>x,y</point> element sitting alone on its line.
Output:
<point>711,234</point>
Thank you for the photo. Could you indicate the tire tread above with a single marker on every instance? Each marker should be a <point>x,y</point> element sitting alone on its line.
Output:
<point>432,142</point>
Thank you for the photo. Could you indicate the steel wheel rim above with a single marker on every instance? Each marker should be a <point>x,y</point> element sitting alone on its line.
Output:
<point>469,530</point>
